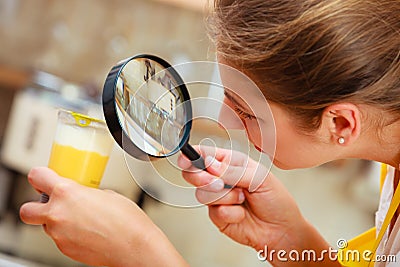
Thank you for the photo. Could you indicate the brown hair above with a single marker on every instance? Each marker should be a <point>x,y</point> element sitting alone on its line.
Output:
<point>308,54</point>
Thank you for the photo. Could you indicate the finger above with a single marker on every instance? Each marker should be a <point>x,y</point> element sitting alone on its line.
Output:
<point>224,197</point>
<point>183,162</point>
<point>234,167</point>
<point>33,213</point>
<point>43,179</point>
<point>236,158</point>
<point>223,215</point>
<point>204,180</point>
<point>187,165</point>
<point>241,176</point>
<point>198,178</point>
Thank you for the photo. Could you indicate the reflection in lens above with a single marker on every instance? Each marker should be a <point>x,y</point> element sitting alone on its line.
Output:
<point>149,107</point>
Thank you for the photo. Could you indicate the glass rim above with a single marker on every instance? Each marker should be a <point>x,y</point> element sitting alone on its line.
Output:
<point>81,119</point>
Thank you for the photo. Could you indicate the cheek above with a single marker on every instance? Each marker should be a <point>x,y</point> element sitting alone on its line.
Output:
<point>262,135</point>
<point>286,143</point>
<point>289,153</point>
<point>289,144</point>
<point>294,150</point>
<point>253,131</point>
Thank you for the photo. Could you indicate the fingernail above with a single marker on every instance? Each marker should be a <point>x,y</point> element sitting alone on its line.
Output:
<point>217,184</point>
<point>209,160</point>
<point>212,162</point>
<point>183,163</point>
<point>241,196</point>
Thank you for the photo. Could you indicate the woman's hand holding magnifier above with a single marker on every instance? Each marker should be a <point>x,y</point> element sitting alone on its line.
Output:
<point>267,216</point>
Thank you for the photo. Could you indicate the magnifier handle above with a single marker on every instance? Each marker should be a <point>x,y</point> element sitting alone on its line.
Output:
<point>195,157</point>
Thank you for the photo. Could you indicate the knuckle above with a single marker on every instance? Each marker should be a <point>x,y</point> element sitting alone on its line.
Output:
<point>189,179</point>
<point>201,196</point>
<point>61,189</point>
<point>186,175</point>
<point>53,217</point>
<point>223,213</point>
<point>227,171</point>
<point>228,198</point>
<point>192,178</point>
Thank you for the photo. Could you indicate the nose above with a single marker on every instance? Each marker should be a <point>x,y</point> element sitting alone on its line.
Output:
<point>228,118</point>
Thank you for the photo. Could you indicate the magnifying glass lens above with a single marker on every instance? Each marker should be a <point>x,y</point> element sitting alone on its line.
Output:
<point>152,106</point>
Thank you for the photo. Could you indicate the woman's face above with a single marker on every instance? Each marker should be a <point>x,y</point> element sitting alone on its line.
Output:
<point>270,128</point>
<point>293,150</point>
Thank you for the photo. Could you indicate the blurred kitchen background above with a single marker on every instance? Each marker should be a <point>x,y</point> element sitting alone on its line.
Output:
<point>57,53</point>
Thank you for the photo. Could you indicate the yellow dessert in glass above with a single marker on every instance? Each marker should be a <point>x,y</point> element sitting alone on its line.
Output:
<point>81,148</point>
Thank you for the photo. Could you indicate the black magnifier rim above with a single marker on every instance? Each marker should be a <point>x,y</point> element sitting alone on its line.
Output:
<point>110,109</point>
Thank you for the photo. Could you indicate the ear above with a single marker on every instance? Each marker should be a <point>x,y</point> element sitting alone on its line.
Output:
<point>343,120</point>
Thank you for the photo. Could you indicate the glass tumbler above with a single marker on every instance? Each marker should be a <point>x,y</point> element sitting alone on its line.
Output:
<point>80,149</point>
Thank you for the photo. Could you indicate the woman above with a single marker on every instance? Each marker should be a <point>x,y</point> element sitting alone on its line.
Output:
<point>330,70</point>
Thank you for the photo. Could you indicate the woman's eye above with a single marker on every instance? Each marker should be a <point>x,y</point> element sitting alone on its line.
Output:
<point>243,114</point>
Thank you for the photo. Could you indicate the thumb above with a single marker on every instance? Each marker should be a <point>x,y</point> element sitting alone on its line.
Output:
<point>33,213</point>
<point>44,179</point>
<point>248,176</point>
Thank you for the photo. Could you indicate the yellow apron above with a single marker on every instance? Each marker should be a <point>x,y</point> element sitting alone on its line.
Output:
<point>360,251</point>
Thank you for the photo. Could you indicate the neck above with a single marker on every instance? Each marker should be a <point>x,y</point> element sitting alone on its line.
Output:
<point>382,146</point>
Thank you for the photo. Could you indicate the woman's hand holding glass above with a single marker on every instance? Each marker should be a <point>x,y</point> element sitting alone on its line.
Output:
<point>96,227</point>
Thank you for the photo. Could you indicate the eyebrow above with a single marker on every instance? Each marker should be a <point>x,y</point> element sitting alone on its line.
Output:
<point>233,100</point>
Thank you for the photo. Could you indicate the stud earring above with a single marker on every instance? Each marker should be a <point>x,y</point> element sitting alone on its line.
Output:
<point>341,140</point>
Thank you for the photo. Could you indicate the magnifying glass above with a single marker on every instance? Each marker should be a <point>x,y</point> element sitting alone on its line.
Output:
<point>148,110</point>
